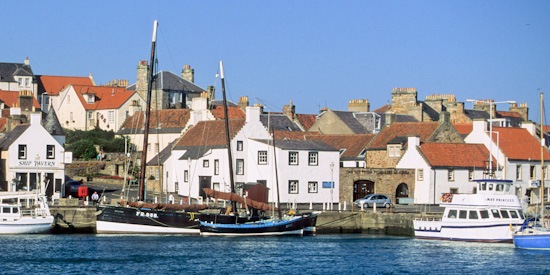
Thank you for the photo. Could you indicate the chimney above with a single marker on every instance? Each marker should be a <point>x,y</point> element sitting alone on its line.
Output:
<point>211,90</point>
<point>413,141</point>
<point>479,126</point>
<point>92,79</point>
<point>141,79</point>
<point>26,101</point>
<point>243,102</point>
<point>27,61</point>
<point>522,110</point>
<point>359,105</point>
<point>290,110</point>
<point>188,73</point>
<point>252,114</point>
<point>444,117</point>
<point>36,118</point>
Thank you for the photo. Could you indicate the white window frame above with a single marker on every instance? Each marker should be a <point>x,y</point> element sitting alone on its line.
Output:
<point>262,157</point>
<point>50,151</point>
<point>111,115</point>
<point>312,187</point>
<point>293,158</point>
<point>313,158</point>
<point>420,174</point>
<point>22,151</point>
<point>239,169</point>
<point>293,187</point>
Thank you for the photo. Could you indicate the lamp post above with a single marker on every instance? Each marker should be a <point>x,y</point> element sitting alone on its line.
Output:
<point>491,108</point>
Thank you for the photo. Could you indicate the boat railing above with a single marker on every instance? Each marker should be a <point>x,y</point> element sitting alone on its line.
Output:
<point>428,219</point>
<point>37,212</point>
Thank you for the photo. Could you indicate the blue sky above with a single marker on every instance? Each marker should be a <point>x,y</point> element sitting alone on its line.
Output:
<point>315,53</point>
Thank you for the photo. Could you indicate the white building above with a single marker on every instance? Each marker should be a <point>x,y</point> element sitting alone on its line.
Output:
<point>29,162</point>
<point>443,168</point>
<point>200,159</point>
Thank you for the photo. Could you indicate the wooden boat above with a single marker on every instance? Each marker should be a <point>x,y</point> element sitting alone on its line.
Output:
<point>147,218</point>
<point>24,213</point>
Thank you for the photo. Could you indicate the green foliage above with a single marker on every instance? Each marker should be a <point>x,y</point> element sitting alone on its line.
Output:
<point>84,149</point>
<point>81,143</point>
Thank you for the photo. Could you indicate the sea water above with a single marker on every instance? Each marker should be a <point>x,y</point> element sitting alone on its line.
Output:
<point>322,254</point>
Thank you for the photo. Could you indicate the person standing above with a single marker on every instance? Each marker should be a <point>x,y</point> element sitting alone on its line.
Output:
<point>95,198</point>
<point>171,198</point>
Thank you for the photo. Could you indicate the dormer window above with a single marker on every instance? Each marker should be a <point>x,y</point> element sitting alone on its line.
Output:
<point>363,153</point>
<point>394,150</point>
<point>90,99</point>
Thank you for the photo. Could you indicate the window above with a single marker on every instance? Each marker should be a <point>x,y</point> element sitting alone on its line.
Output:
<point>451,175</point>
<point>420,174</point>
<point>262,157</point>
<point>240,167</point>
<point>495,213</point>
<point>216,186</point>
<point>363,153</point>
<point>239,145</point>
<point>473,215</point>
<point>513,214</point>
<point>27,82</point>
<point>216,167</point>
<point>312,187</point>
<point>90,115</point>
<point>532,172</point>
<point>157,148</point>
<point>453,190</point>
<point>518,172</point>
<point>342,151</point>
<point>20,81</point>
<point>394,151</point>
<point>484,214</point>
<point>312,159</point>
<point>292,158</point>
<point>186,175</point>
<point>50,151</point>
<point>293,187</point>
<point>470,175</point>
<point>176,187</point>
<point>462,214</point>
<point>205,163</point>
<point>22,152</point>
<point>111,116</point>
<point>90,99</point>
<point>452,214</point>
<point>504,214</point>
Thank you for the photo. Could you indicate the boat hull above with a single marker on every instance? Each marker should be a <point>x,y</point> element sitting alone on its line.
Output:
<point>533,240</point>
<point>472,232</point>
<point>27,225</point>
<point>293,226</point>
<point>130,220</point>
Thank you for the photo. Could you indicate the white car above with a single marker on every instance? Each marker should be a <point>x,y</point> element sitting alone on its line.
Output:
<point>371,199</point>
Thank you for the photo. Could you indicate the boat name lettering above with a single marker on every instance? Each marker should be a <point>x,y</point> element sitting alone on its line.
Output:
<point>146,214</point>
<point>499,200</point>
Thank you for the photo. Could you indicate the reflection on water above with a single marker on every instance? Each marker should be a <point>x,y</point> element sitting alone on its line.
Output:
<point>348,254</point>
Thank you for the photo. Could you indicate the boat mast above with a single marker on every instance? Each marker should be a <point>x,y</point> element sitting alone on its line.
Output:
<point>147,114</point>
<point>277,178</point>
<point>542,143</point>
<point>228,138</point>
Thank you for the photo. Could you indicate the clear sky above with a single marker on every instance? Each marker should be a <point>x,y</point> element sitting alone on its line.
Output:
<point>315,53</point>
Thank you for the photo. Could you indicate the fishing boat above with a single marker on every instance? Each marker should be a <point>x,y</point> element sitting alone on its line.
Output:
<point>141,217</point>
<point>491,214</point>
<point>24,213</point>
<point>218,225</point>
<point>535,233</point>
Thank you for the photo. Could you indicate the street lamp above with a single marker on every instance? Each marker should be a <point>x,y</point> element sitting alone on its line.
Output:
<point>491,108</point>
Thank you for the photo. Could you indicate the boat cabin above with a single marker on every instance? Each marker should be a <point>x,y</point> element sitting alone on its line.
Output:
<point>10,212</point>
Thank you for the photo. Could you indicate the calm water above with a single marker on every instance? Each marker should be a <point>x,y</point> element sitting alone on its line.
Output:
<point>323,254</point>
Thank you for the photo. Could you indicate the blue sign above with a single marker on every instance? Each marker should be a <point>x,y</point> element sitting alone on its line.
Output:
<point>328,184</point>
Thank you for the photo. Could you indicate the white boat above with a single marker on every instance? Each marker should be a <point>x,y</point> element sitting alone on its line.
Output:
<point>492,214</point>
<point>24,213</point>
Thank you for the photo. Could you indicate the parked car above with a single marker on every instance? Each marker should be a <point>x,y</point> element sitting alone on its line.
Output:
<point>370,199</point>
<point>72,188</point>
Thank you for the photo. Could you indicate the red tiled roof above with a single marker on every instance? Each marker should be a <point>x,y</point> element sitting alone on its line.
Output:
<point>383,109</point>
<point>54,84</point>
<point>12,97</point>
<point>232,111</point>
<point>209,133</point>
<point>403,129</point>
<point>518,144</point>
<point>306,120</point>
<point>353,144</point>
<point>3,122</point>
<point>170,118</point>
<point>455,154</point>
<point>106,97</point>
<point>463,128</point>
<point>508,114</point>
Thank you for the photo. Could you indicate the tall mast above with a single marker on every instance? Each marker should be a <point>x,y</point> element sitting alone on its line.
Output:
<point>228,137</point>
<point>147,114</point>
<point>542,143</point>
<point>277,178</point>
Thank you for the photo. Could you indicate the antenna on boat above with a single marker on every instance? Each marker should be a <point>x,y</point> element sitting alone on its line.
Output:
<point>147,114</point>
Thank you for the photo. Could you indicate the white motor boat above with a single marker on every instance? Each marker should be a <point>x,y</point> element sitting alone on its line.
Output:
<point>24,213</point>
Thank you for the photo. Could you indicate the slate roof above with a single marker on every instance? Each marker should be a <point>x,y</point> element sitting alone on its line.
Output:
<point>518,144</point>
<point>52,125</point>
<point>209,133</point>
<point>161,156</point>
<point>105,97</point>
<point>170,120</point>
<point>279,122</point>
<point>476,114</point>
<point>52,85</point>
<point>9,70</point>
<point>423,130</point>
<point>353,144</point>
<point>356,125</point>
<point>13,135</point>
<point>11,98</point>
<point>165,81</point>
<point>458,155</point>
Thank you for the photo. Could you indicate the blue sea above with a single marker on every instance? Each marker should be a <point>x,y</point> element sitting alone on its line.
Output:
<point>322,254</point>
